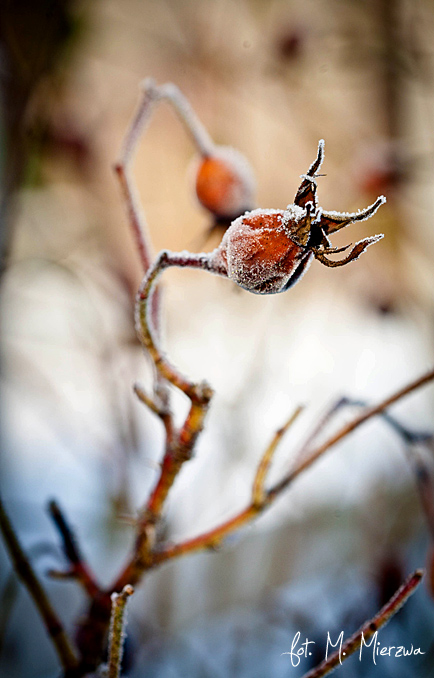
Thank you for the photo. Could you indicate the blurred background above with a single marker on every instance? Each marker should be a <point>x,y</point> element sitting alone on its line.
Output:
<point>271,79</point>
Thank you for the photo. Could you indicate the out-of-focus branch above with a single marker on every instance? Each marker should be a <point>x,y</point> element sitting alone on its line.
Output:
<point>425,486</point>
<point>151,94</point>
<point>199,135</point>
<point>136,217</point>
<point>27,575</point>
<point>79,569</point>
<point>8,599</point>
<point>215,535</point>
<point>117,628</point>
<point>124,174</point>
<point>351,426</point>
<point>369,628</point>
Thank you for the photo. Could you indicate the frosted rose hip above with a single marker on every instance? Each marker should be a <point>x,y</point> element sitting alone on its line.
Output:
<point>259,254</point>
<point>267,251</point>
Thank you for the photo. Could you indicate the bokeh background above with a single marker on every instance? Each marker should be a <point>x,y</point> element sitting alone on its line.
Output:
<point>270,78</point>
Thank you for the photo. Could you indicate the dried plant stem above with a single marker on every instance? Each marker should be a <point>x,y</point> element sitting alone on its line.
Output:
<point>123,171</point>
<point>408,436</point>
<point>180,452</point>
<point>258,492</point>
<point>369,628</point>
<point>179,443</point>
<point>27,575</point>
<point>144,319</point>
<point>215,535</point>
<point>116,635</point>
<point>79,569</point>
<point>160,407</point>
<point>188,117</point>
<point>348,428</point>
<point>136,217</point>
<point>123,168</point>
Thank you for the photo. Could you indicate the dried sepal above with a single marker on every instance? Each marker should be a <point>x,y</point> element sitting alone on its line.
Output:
<point>307,190</point>
<point>355,253</point>
<point>334,221</point>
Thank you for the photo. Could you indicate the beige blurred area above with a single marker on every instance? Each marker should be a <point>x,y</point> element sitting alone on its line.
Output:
<point>271,79</point>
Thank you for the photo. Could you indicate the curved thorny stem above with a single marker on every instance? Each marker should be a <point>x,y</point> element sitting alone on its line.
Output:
<point>179,443</point>
<point>123,169</point>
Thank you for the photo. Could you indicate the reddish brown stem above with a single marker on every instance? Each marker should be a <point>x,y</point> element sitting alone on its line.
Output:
<point>177,455</point>
<point>144,319</point>
<point>369,628</point>
<point>71,549</point>
<point>27,575</point>
<point>215,535</point>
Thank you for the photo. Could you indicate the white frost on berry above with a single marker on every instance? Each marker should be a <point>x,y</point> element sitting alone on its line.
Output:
<point>360,215</point>
<point>294,214</point>
<point>249,254</point>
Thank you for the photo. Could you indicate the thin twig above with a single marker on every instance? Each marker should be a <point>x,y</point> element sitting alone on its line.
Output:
<point>72,552</point>
<point>258,492</point>
<point>178,451</point>
<point>124,174</point>
<point>200,137</point>
<point>151,94</point>
<point>215,535</point>
<point>159,408</point>
<point>369,628</point>
<point>117,628</point>
<point>27,575</point>
<point>358,421</point>
<point>144,319</point>
<point>317,429</point>
<point>136,217</point>
<point>151,403</point>
<point>409,436</point>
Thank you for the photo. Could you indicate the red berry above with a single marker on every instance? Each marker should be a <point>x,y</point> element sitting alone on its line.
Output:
<point>258,252</point>
<point>225,183</point>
